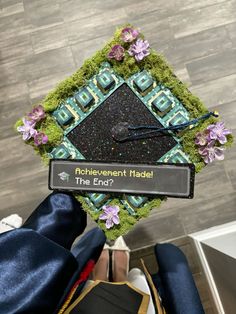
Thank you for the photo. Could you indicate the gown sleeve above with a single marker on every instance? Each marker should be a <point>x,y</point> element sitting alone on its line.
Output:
<point>37,268</point>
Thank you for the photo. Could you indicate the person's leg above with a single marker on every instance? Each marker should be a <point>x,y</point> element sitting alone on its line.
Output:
<point>120,265</point>
<point>120,260</point>
<point>59,217</point>
<point>101,269</point>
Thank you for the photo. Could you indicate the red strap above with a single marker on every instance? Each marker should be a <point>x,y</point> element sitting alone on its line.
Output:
<point>85,273</point>
<point>83,277</point>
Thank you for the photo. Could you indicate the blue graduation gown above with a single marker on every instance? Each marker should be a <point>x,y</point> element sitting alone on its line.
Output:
<point>37,266</point>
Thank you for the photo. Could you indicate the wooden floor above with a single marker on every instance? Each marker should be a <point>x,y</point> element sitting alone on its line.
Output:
<point>42,42</point>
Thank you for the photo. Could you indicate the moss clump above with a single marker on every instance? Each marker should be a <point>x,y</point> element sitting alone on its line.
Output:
<point>55,134</point>
<point>52,129</point>
<point>230,141</point>
<point>127,221</point>
<point>18,123</point>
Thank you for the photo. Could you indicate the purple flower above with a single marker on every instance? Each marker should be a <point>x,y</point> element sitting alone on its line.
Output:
<point>27,129</point>
<point>37,114</point>
<point>210,152</point>
<point>218,131</point>
<point>40,138</point>
<point>117,52</point>
<point>139,49</point>
<point>110,215</point>
<point>129,34</point>
<point>202,138</point>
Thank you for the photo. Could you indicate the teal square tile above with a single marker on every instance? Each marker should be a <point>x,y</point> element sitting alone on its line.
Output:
<point>105,81</point>
<point>136,201</point>
<point>143,83</point>
<point>98,199</point>
<point>162,104</point>
<point>84,99</point>
<point>60,152</point>
<point>179,118</point>
<point>63,116</point>
<point>178,158</point>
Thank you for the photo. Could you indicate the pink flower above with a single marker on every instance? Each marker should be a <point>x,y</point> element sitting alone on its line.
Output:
<point>210,152</point>
<point>218,131</point>
<point>40,138</point>
<point>140,49</point>
<point>129,34</point>
<point>37,114</point>
<point>27,129</point>
<point>117,52</point>
<point>110,215</point>
<point>202,138</point>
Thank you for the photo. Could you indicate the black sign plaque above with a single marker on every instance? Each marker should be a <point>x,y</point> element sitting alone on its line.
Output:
<point>175,180</point>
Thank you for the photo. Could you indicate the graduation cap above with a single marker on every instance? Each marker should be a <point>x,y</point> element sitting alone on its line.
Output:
<point>128,108</point>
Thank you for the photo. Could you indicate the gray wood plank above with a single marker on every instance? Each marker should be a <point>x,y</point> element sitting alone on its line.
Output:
<point>212,211</point>
<point>159,227</point>
<point>231,28</point>
<point>12,72</point>
<point>13,25</point>
<point>227,113</point>
<point>81,9</point>
<point>182,73</point>
<point>217,92</point>
<point>19,46</point>
<point>82,50</point>
<point>85,29</point>
<point>212,67</point>
<point>39,87</point>
<point>195,21</point>
<point>229,163</point>
<point>11,7</point>
<point>47,39</point>
<point>48,62</point>
<point>43,13</point>
<point>198,45</point>
<point>192,4</point>
<point>160,32</point>
<point>9,114</point>
<point>13,91</point>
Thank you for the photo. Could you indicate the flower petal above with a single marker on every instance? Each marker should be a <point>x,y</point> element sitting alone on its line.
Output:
<point>21,128</point>
<point>222,139</point>
<point>219,153</point>
<point>26,136</point>
<point>44,139</point>
<point>117,52</point>
<point>116,219</point>
<point>109,223</point>
<point>103,216</point>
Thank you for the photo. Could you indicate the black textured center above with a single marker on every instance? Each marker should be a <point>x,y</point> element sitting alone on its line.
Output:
<point>94,137</point>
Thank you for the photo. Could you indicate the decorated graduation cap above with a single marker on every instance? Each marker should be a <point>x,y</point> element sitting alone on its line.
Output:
<point>124,112</point>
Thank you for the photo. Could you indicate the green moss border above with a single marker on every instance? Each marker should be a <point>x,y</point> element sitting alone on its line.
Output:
<point>127,221</point>
<point>156,64</point>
